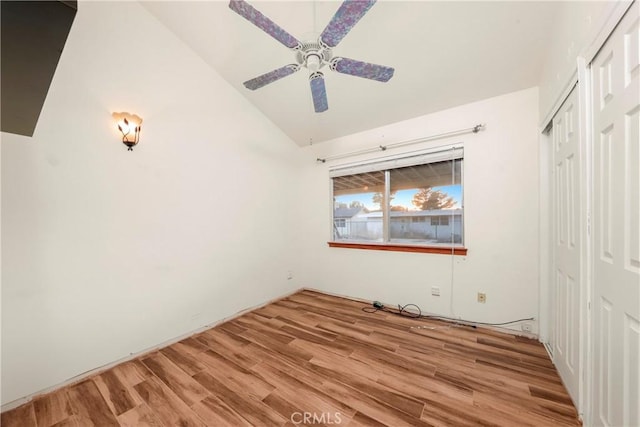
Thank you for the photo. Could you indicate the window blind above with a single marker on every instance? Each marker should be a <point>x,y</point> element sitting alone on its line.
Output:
<point>417,158</point>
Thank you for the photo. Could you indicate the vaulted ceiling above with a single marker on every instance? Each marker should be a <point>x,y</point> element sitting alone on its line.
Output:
<point>444,54</point>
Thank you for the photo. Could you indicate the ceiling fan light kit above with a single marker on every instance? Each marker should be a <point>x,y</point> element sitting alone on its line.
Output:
<point>316,54</point>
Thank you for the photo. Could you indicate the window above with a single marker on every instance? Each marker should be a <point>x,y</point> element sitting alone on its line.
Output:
<point>352,195</point>
<point>439,220</point>
<point>412,201</point>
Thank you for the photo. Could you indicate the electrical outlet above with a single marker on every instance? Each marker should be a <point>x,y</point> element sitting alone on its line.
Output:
<point>526,327</point>
<point>289,275</point>
<point>435,291</point>
<point>482,297</point>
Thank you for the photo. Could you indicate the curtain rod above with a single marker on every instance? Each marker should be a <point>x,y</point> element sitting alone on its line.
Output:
<point>474,129</point>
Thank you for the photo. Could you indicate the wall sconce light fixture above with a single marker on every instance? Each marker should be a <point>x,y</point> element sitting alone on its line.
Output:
<point>129,126</point>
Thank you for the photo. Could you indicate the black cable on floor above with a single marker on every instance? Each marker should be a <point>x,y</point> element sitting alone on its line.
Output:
<point>402,311</point>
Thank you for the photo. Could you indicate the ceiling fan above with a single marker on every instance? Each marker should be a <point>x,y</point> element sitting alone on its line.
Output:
<point>314,55</point>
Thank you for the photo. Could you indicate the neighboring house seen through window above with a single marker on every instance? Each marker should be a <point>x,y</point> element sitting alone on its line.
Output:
<point>415,200</point>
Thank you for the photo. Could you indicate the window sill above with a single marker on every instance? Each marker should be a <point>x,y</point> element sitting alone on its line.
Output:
<point>401,248</point>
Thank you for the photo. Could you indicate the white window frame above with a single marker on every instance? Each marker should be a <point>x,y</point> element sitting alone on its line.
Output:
<point>386,164</point>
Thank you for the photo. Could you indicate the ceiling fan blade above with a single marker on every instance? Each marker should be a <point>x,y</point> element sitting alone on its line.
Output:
<point>344,20</point>
<point>318,92</point>
<point>256,17</point>
<point>367,70</point>
<point>271,76</point>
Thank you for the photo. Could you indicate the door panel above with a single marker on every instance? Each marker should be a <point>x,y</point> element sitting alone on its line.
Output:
<point>566,261</point>
<point>616,236</point>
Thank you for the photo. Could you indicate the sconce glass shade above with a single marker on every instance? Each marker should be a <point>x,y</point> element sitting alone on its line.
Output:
<point>129,125</point>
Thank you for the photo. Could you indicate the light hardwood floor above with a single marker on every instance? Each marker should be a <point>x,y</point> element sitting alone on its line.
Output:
<point>320,355</point>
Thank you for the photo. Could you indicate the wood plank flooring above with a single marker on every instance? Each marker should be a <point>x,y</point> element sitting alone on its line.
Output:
<point>321,357</point>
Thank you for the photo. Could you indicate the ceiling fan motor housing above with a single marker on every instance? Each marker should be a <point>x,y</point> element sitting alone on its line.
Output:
<point>313,55</point>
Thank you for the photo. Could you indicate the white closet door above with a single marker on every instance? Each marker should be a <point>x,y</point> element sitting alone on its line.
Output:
<point>616,227</point>
<point>567,282</point>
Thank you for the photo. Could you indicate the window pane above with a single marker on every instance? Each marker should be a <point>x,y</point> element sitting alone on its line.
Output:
<point>358,201</point>
<point>426,203</point>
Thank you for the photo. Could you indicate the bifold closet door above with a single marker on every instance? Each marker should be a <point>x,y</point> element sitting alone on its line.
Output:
<point>567,283</point>
<point>616,226</point>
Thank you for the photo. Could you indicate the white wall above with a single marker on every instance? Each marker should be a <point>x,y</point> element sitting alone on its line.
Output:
<point>108,252</point>
<point>577,26</point>
<point>501,218</point>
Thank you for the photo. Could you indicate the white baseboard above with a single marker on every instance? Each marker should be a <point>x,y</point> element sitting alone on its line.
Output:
<point>493,328</point>
<point>83,376</point>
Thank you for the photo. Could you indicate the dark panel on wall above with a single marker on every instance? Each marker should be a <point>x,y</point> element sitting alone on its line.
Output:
<point>33,34</point>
